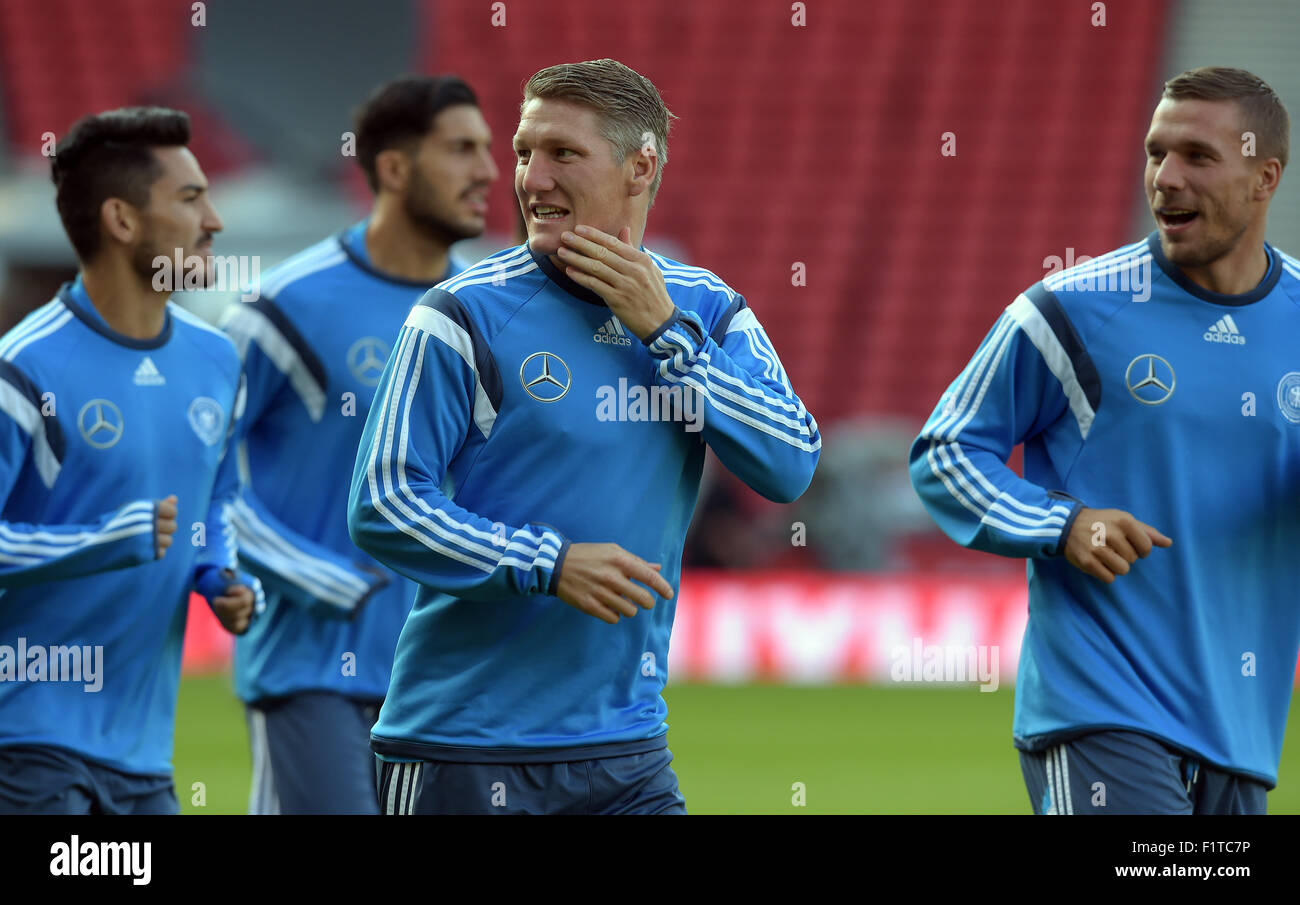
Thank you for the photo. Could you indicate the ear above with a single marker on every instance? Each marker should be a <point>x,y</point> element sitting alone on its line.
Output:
<point>645,166</point>
<point>120,220</point>
<point>1267,178</point>
<point>393,170</point>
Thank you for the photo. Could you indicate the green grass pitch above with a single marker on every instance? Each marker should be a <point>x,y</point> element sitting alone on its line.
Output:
<point>740,749</point>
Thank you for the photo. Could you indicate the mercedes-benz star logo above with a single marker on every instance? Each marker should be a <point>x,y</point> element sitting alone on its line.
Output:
<point>1150,379</point>
<point>545,376</point>
<point>366,359</point>
<point>100,423</point>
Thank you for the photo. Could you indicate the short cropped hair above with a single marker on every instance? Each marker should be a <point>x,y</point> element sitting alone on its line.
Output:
<point>401,112</point>
<point>1262,111</point>
<point>110,155</point>
<point>629,106</point>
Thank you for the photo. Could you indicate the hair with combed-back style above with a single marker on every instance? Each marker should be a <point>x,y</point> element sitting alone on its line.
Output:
<point>629,106</point>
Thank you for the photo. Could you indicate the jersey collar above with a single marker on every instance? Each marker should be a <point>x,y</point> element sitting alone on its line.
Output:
<point>77,300</point>
<point>353,242</point>
<point>1216,298</point>
<point>559,279</point>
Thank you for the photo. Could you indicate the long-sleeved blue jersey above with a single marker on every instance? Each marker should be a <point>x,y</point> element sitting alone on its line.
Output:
<point>515,416</point>
<point>94,428</point>
<point>1133,388</point>
<point>314,344</point>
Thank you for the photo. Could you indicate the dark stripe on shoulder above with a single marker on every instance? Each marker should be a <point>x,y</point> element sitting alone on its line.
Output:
<point>724,322</point>
<point>10,374</point>
<point>310,359</point>
<point>445,303</point>
<point>1049,306</point>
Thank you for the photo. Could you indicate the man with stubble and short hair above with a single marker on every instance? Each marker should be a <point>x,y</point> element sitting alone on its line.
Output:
<point>1155,389</point>
<point>116,407</point>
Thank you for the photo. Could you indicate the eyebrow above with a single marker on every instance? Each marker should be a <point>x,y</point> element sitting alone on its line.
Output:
<point>549,140</point>
<point>192,187</point>
<point>1190,144</point>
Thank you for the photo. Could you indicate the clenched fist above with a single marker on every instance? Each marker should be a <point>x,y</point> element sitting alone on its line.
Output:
<point>164,525</point>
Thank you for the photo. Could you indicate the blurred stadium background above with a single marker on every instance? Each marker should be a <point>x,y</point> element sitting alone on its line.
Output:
<point>806,171</point>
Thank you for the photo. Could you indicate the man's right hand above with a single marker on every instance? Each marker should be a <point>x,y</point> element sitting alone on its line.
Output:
<point>1105,542</point>
<point>164,525</point>
<point>599,580</point>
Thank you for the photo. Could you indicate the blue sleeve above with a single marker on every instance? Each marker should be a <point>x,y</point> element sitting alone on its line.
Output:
<point>1009,392</point>
<point>217,565</point>
<point>753,421</point>
<point>30,554</point>
<point>220,547</point>
<point>430,399</point>
<point>301,570</point>
<point>212,583</point>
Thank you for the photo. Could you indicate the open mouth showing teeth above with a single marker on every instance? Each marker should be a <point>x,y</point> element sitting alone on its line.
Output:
<point>1177,216</point>
<point>549,212</point>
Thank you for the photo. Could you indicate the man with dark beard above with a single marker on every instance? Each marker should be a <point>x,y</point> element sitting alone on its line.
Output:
<point>315,669</point>
<point>115,415</point>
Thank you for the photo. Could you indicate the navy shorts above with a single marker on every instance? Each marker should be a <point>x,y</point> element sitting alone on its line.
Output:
<point>35,780</point>
<point>1120,772</point>
<point>630,784</point>
<point>311,755</point>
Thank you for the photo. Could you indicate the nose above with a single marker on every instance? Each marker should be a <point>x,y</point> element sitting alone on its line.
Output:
<point>1168,175</point>
<point>488,171</point>
<point>212,220</point>
<point>536,177</point>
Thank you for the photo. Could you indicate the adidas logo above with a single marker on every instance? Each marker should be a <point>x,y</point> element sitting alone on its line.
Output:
<point>611,333</point>
<point>1225,331</point>
<point>148,375</point>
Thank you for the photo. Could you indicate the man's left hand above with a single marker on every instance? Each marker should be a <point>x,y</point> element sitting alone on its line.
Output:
<point>625,277</point>
<point>234,609</point>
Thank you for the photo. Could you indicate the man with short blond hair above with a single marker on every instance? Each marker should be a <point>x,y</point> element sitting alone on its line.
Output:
<point>533,461</point>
